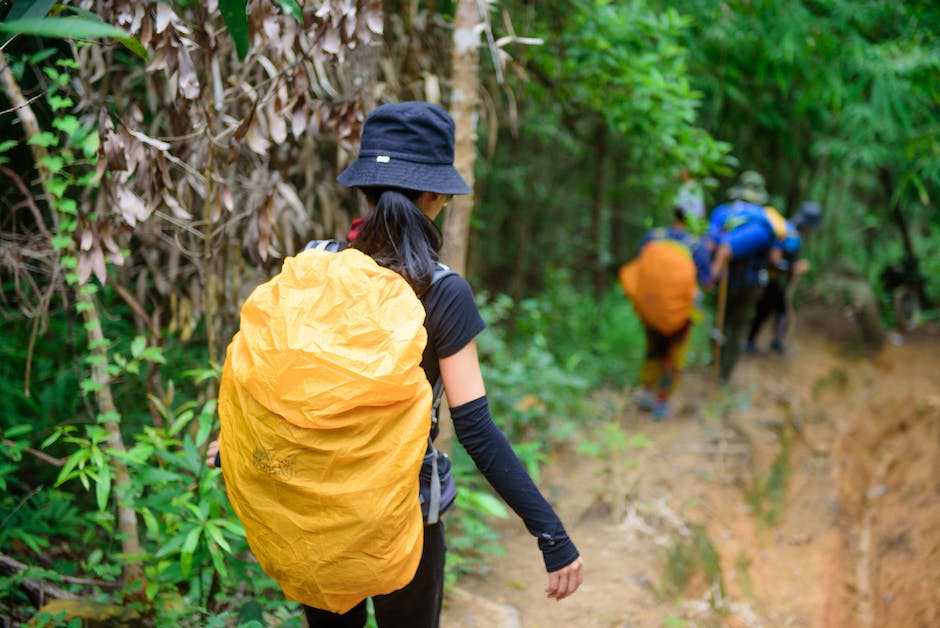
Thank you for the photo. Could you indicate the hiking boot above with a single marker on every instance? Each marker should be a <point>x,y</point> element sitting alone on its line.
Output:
<point>750,347</point>
<point>779,347</point>
<point>646,401</point>
<point>661,410</point>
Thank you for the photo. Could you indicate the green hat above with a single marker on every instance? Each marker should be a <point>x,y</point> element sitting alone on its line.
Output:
<point>750,187</point>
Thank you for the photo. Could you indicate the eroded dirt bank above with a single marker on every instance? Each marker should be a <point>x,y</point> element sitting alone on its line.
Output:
<point>807,496</point>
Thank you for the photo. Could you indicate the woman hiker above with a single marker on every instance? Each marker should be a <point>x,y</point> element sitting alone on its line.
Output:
<point>405,170</point>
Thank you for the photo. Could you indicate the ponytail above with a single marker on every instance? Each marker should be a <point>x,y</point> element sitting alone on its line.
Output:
<point>398,236</point>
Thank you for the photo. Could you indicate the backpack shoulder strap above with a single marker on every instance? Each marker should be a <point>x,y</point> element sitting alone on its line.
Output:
<point>326,245</point>
<point>440,272</point>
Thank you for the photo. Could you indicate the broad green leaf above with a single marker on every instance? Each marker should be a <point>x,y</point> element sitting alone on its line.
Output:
<point>218,561</point>
<point>76,28</point>
<point>153,354</point>
<point>103,488</point>
<point>17,430</point>
<point>65,473</point>
<point>138,345</point>
<point>236,21</point>
<point>7,145</point>
<point>153,528</point>
<point>216,535</point>
<point>189,547</point>
<point>29,9</point>
<point>25,9</point>
<point>181,421</point>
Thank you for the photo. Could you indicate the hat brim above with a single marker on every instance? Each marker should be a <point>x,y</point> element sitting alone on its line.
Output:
<point>407,175</point>
<point>751,195</point>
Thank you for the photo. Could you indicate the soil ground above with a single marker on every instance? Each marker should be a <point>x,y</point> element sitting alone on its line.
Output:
<point>815,479</point>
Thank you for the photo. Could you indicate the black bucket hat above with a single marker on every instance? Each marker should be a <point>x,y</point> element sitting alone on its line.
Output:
<point>407,145</point>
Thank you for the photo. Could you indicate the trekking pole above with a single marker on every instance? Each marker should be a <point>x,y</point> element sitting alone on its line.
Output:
<point>718,330</point>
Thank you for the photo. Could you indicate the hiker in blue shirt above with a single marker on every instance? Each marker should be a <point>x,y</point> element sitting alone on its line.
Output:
<point>742,233</point>
<point>781,275</point>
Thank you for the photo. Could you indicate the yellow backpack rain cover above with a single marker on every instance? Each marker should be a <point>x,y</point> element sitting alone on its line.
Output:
<point>325,414</point>
<point>661,283</point>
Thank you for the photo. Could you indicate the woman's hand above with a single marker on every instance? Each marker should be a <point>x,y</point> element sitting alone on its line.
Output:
<point>211,452</point>
<point>565,581</point>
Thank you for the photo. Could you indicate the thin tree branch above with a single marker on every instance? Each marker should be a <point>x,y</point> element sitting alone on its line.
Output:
<point>28,199</point>
<point>39,454</point>
<point>137,307</point>
<point>11,565</point>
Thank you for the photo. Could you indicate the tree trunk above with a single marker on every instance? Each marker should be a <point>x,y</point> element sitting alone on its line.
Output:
<point>127,518</point>
<point>463,105</point>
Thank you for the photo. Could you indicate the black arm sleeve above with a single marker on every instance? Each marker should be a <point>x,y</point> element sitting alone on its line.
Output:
<point>499,464</point>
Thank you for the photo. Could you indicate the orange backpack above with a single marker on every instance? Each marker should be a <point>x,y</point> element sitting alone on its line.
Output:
<point>325,416</point>
<point>661,283</point>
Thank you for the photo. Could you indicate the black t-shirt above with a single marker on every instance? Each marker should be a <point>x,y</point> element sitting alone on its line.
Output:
<point>452,320</point>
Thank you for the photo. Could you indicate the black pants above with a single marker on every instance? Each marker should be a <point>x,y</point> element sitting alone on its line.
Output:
<point>737,312</point>
<point>773,301</point>
<point>416,605</point>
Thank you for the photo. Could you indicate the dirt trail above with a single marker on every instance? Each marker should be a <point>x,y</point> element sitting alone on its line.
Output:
<point>816,482</point>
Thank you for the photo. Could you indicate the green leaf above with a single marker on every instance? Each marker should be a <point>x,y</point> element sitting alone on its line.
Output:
<point>153,354</point>
<point>7,145</point>
<point>189,547</point>
<point>89,386</point>
<point>67,124</point>
<point>57,186</point>
<point>150,522</point>
<point>110,416</point>
<point>236,21</point>
<point>44,139</point>
<point>138,345</point>
<point>54,164</point>
<point>291,8</point>
<point>58,102</point>
<point>79,456</point>
<point>103,487</point>
<point>89,146</point>
<point>17,430</point>
<point>216,535</point>
<point>180,422</point>
<point>77,28</point>
<point>61,242</point>
<point>219,563</point>
<point>67,206</point>
<point>487,504</point>
<point>27,9</point>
